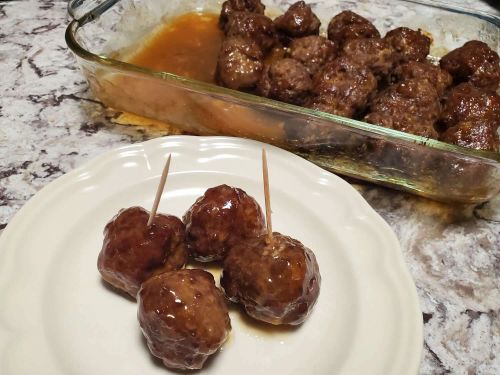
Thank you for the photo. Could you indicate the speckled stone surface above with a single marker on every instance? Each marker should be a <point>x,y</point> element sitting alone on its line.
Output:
<point>50,123</point>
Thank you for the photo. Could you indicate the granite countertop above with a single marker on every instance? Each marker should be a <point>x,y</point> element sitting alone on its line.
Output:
<point>50,123</point>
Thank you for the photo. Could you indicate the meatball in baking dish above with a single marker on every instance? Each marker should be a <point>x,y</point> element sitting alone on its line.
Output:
<point>231,6</point>
<point>474,62</point>
<point>478,134</point>
<point>408,44</point>
<point>343,87</point>
<point>287,80</point>
<point>313,52</point>
<point>411,106</point>
<point>374,53</point>
<point>240,63</point>
<point>433,74</point>
<point>348,25</point>
<point>298,21</point>
<point>256,27</point>
<point>467,102</point>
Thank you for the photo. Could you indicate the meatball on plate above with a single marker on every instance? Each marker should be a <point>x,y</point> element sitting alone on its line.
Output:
<point>184,317</point>
<point>276,282</point>
<point>58,310</point>
<point>220,219</point>
<point>132,252</point>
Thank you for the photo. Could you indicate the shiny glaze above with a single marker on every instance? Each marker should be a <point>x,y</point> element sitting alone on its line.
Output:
<point>313,51</point>
<point>240,63</point>
<point>221,218</point>
<point>408,44</point>
<point>411,106</point>
<point>287,80</point>
<point>348,25</point>
<point>299,20</point>
<point>374,53</point>
<point>343,87</point>
<point>466,102</point>
<point>477,134</point>
<point>132,252</point>
<point>433,74</point>
<point>276,283</point>
<point>256,27</point>
<point>474,62</point>
<point>231,6</point>
<point>184,317</point>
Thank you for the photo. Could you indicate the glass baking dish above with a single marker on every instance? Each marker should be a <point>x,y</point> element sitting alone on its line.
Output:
<point>104,32</point>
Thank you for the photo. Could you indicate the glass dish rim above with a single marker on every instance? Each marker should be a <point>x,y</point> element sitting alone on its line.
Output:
<point>198,86</point>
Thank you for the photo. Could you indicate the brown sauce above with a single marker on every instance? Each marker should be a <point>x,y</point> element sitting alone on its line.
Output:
<point>187,46</point>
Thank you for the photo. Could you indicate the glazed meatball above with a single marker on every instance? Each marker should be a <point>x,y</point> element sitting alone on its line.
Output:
<point>313,52</point>
<point>433,74</point>
<point>342,88</point>
<point>132,252</point>
<point>332,102</point>
<point>411,106</point>
<point>474,62</point>
<point>466,102</point>
<point>374,53</point>
<point>403,121</point>
<point>184,317</point>
<point>231,6</point>
<point>348,25</point>
<point>253,26</point>
<point>219,219</point>
<point>276,283</point>
<point>298,21</point>
<point>477,134</point>
<point>408,44</point>
<point>286,80</point>
<point>240,63</point>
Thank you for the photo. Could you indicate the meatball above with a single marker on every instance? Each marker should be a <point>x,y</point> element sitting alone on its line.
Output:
<point>286,80</point>
<point>313,52</point>
<point>411,106</point>
<point>438,77</point>
<point>184,317</point>
<point>403,121</point>
<point>474,62</point>
<point>253,26</point>
<point>332,102</point>
<point>219,219</point>
<point>348,25</point>
<point>477,134</point>
<point>240,63</point>
<point>342,88</point>
<point>276,283</point>
<point>231,6</point>
<point>298,21</point>
<point>374,53</point>
<point>408,44</point>
<point>466,102</point>
<point>132,252</point>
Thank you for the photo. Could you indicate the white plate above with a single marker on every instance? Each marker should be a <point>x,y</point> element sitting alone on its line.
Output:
<point>57,317</point>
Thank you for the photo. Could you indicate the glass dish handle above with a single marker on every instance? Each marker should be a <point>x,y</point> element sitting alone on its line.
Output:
<point>85,11</point>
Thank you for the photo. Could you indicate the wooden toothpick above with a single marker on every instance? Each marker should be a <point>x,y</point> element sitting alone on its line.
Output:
<point>267,197</point>
<point>159,192</point>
